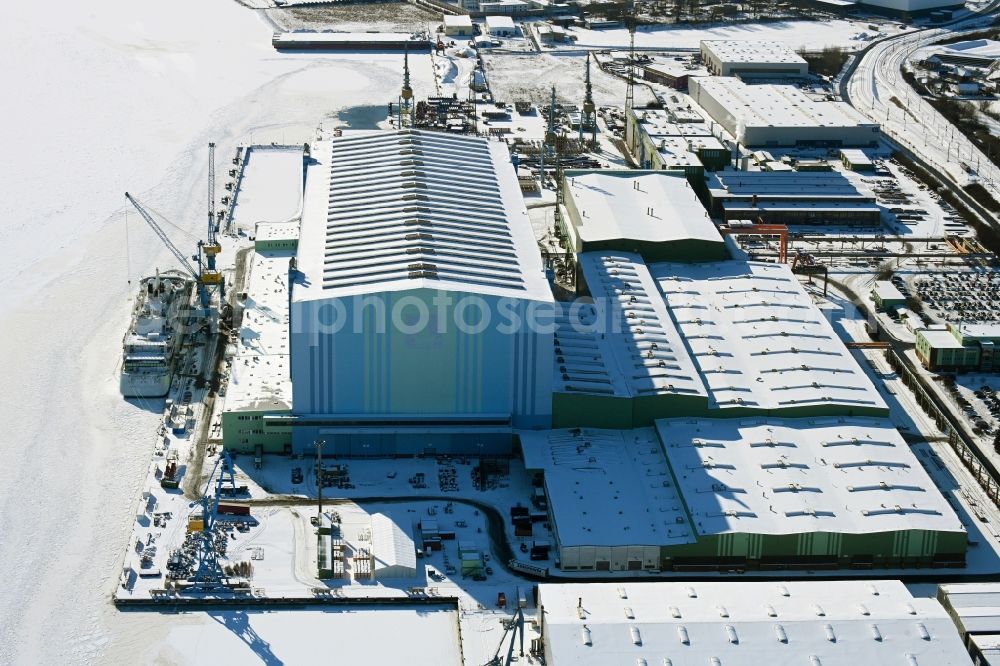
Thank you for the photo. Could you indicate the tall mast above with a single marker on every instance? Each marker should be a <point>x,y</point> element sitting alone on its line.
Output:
<point>630,89</point>
<point>405,111</point>
<point>589,116</point>
<point>550,135</point>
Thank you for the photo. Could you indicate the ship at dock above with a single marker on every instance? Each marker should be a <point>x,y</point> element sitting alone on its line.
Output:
<point>151,344</point>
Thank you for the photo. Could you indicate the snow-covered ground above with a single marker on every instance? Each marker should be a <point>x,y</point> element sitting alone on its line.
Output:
<point>530,77</point>
<point>103,97</point>
<point>271,189</point>
<point>810,35</point>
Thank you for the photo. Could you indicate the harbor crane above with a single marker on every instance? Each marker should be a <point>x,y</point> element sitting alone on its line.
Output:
<point>209,574</point>
<point>207,274</point>
<point>196,273</point>
<point>162,235</point>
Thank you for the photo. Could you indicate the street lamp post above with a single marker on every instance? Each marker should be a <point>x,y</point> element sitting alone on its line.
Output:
<point>319,481</point>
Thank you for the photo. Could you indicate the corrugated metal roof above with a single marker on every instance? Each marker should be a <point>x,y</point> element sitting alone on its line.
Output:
<point>791,476</point>
<point>412,209</point>
<point>625,343</point>
<point>759,340</point>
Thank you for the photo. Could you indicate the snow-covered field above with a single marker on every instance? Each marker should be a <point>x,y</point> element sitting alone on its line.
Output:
<point>103,97</point>
<point>530,77</point>
<point>811,35</point>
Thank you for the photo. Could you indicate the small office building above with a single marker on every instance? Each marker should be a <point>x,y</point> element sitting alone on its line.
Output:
<point>458,25</point>
<point>886,296</point>
<point>500,26</point>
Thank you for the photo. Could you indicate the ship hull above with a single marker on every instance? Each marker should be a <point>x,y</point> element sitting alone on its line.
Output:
<point>152,341</point>
<point>150,385</point>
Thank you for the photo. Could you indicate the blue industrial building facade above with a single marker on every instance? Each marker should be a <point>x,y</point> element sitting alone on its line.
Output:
<point>419,371</point>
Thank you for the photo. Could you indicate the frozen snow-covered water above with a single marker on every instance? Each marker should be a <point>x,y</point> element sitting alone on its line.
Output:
<point>417,636</point>
<point>100,97</point>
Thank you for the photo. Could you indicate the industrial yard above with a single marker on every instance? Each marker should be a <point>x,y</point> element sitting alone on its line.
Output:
<point>515,335</point>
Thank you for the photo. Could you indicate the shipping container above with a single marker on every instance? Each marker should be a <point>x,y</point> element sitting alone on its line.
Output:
<point>530,569</point>
<point>234,509</point>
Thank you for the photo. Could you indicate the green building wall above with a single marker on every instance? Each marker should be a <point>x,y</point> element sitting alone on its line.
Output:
<point>244,431</point>
<point>276,245</point>
<point>580,410</point>
<point>935,358</point>
<point>911,548</point>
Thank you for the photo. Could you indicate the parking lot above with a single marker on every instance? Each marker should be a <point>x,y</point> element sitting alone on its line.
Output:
<point>979,400</point>
<point>968,295</point>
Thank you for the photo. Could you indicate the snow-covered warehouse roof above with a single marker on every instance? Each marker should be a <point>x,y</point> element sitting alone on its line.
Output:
<point>789,476</point>
<point>758,339</point>
<point>260,379</point>
<point>625,344</point>
<point>790,186</point>
<point>751,51</point>
<point>974,606</point>
<point>499,22</point>
<point>392,547</point>
<point>887,291</point>
<point>650,206</point>
<point>733,623</point>
<point>608,487</point>
<point>457,21</point>
<point>774,105</point>
<point>409,209</point>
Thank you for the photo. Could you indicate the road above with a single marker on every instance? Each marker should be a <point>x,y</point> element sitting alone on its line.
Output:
<point>876,88</point>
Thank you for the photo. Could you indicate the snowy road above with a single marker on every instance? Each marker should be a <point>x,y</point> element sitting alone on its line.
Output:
<point>878,90</point>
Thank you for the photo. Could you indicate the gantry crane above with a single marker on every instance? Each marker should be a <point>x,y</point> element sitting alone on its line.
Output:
<point>209,574</point>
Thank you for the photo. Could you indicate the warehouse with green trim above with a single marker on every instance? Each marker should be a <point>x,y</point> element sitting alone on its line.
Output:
<point>654,213</point>
<point>726,339</point>
<point>742,494</point>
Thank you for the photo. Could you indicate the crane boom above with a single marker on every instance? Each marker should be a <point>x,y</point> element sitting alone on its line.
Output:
<point>158,230</point>
<point>210,248</point>
<point>212,225</point>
